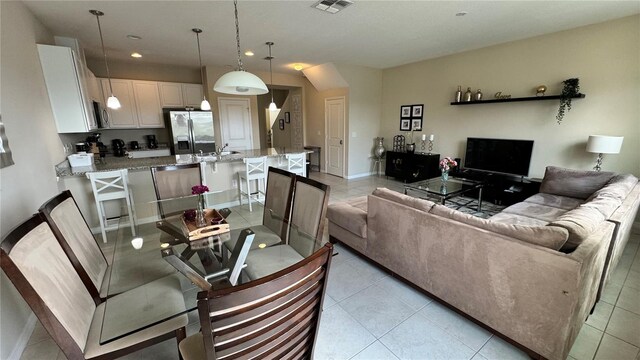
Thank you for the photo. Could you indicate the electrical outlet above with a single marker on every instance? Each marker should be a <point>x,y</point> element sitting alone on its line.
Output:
<point>234,183</point>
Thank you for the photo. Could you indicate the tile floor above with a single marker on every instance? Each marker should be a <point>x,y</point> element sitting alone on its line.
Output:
<point>369,315</point>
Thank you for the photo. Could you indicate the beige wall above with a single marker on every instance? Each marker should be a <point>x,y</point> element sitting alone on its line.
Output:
<point>34,142</point>
<point>144,71</point>
<point>364,107</point>
<point>606,58</point>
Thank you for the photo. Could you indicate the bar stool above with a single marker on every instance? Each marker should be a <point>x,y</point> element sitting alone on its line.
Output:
<point>111,185</point>
<point>255,169</point>
<point>296,163</point>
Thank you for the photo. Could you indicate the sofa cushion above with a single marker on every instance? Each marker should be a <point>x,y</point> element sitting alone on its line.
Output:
<point>551,237</point>
<point>580,223</point>
<point>557,201</point>
<point>350,215</point>
<point>604,204</point>
<point>573,183</point>
<point>536,211</point>
<point>516,219</point>
<point>618,187</point>
<point>416,203</point>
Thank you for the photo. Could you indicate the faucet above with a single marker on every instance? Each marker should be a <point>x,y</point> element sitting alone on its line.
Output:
<point>221,149</point>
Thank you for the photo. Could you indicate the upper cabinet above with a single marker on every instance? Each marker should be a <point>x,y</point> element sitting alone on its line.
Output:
<point>66,80</point>
<point>126,116</point>
<point>94,87</point>
<point>148,106</point>
<point>176,95</point>
<point>192,95</point>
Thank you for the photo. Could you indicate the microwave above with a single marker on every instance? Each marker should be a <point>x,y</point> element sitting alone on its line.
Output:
<point>101,114</point>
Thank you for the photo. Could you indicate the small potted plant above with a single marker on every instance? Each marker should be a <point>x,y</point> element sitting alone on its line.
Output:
<point>569,91</point>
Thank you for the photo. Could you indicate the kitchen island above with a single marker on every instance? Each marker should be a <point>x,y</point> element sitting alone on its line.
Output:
<point>219,175</point>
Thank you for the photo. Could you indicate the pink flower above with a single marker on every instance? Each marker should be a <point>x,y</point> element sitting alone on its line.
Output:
<point>199,189</point>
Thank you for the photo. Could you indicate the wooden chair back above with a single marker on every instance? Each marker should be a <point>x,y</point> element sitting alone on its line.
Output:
<point>277,202</point>
<point>34,261</point>
<point>310,200</point>
<point>273,317</point>
<point>175,181</point>
<point>74,235</point>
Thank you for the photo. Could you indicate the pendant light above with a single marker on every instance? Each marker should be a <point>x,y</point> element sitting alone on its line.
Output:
<point>112,101</point>
<point>240,82</point>
<point>204,105</point>
<point>272,106</point>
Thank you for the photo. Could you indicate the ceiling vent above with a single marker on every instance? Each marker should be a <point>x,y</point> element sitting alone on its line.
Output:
<point>332,6</point>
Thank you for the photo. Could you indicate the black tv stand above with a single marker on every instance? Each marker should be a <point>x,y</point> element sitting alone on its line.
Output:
<point>501,189</point>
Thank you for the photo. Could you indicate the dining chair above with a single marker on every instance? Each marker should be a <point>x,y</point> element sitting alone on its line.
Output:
<point>230,273</point>
<point>277,211</point>
<point>309,210</point>
<point>74,235</point>
<point>255,169</point>
<point>108,186</point>
<point>174,181</point>
<point>36,264</point>
<point>297,163</point>
<point>276,317</point>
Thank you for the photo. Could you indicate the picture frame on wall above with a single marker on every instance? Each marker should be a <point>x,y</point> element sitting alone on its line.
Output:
<point>405,124</point>
<point>405,111</point>
<point>416,124</point>
<point>287,117</point>
<point>281,124</point>
<point>417,110</point>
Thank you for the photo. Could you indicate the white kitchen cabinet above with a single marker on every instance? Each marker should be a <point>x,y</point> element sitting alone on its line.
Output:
<point>65,77</point>
<point>125,117</point>
<point>148,106</point>
<point>171,94</point>
<point>94,88</point>
<point>192,94</point>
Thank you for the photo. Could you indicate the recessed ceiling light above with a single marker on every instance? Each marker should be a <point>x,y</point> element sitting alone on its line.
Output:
<point>461,13</point>
<point>249,53</point>
<point>297,67</point>
<point>136,55</point>
<point>134,37</point>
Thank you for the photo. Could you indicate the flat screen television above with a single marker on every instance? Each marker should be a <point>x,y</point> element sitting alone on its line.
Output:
<point>499,155</point>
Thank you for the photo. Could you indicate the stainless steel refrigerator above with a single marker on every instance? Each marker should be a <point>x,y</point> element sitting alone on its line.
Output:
<point>192,131</point>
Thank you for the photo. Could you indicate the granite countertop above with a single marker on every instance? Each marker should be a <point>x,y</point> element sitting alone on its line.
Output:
<point>116,163</point>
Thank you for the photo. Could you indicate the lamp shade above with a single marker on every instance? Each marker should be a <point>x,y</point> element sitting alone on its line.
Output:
<point>601,144</point>
<point>113,102</point>
<point>204,105</point>
<point>240,82</point>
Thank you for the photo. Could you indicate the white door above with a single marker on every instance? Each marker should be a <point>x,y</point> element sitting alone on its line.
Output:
<point>235,123</point>
<point>334,120</point>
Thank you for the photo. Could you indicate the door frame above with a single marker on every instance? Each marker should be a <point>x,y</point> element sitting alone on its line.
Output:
<point>344,132</point>
<point>248,100</point>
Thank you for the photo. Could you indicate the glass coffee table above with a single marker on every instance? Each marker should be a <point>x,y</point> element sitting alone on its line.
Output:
<point>445,190</point>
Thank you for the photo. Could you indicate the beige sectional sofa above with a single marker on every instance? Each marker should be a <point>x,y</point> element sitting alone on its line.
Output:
<point>531,273</point>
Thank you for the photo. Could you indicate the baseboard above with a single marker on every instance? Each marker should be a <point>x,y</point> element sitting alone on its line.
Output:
<point>361,175</point>
<point>21,344</point>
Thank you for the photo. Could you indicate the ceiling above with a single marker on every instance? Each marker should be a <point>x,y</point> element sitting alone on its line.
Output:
<point>378,34</point>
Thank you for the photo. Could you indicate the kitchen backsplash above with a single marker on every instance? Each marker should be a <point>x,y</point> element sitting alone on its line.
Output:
<point>128,135</point>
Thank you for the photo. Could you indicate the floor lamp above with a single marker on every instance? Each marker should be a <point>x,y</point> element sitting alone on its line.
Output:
<point>600,144</point>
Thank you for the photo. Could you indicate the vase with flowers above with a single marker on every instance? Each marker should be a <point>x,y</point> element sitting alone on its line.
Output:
<point>445,165</point>
<point>200,190</point>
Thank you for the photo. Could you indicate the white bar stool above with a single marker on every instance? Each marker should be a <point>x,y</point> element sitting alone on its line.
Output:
<point>255,169</point>
<point>296,163</point>
<point>111,185</point>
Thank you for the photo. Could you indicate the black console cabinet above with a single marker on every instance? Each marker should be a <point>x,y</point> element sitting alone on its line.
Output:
<point>412,167</point>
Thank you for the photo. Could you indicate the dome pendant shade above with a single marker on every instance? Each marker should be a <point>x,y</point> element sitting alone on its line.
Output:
<point>113,102</point>
<point>273,106</point>
<point>240,82</point>
<point>204,105</point>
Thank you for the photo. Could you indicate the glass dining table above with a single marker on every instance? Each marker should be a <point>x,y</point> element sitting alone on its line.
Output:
<point>160,257</point>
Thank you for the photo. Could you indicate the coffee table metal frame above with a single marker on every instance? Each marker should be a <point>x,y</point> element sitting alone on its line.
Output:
<point>446,190</point>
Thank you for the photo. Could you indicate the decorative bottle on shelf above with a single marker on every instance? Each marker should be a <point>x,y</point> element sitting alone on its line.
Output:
<point>478,95</point>
<point>467,95</point>
<point>459,94</point>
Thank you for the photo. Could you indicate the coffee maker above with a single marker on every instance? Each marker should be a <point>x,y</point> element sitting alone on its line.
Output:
<point>152,143</point>
<point>118,148</point>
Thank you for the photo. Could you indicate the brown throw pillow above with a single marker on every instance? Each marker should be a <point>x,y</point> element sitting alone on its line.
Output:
<point>573,183</point>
